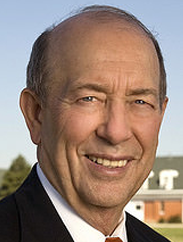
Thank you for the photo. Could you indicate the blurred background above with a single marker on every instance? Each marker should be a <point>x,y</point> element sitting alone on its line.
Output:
<point>21,22</point>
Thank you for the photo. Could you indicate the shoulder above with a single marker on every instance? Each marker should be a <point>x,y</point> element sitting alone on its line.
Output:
<point>7,208</point>
<point>10,211</point>
<point>8,220</point>
<point>139,231</point>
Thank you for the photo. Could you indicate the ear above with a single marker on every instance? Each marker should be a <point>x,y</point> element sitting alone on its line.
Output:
<point>31,109</point>
<point>164,105</point>
<point>163,108</point>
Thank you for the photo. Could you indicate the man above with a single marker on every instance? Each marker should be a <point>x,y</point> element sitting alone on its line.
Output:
<point>94,103</point>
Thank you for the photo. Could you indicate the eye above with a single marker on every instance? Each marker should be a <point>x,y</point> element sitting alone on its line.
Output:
<point>140,102</point>
<point>143,103</point>
<point>88,99</point>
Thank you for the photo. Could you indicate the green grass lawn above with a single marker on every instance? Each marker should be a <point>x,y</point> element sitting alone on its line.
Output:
<point>173,234</point>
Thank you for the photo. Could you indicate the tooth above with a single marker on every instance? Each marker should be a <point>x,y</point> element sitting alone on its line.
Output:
<point>95,159</point>
<point>99,161</point>
<point>106,162</point>
<point>114,164</point>
<point>92,158</point>
<point>120,163</point>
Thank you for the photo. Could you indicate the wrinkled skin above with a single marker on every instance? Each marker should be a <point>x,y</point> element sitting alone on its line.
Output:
<point>104,103</point>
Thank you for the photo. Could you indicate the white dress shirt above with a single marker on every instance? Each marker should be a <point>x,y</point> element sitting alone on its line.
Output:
<point>79,229</point>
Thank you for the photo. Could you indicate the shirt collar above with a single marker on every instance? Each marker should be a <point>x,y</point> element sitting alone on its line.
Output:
<point>80,230</point>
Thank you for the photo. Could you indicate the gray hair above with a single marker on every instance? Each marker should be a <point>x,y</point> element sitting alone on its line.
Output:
<point>38,67</point>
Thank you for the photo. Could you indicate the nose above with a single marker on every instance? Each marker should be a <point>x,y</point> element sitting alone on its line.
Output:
<point>115,126</point>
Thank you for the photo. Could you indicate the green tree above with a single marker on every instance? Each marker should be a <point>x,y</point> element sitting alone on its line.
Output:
<point>14,176</point>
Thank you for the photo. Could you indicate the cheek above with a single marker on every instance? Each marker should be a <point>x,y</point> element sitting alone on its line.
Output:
<point>148,135</point>
<point>79,126</point>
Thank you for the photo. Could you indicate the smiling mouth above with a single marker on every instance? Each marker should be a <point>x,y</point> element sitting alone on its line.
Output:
<point>107,163</point>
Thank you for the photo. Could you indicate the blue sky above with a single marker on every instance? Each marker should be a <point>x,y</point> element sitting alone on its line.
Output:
<point>22,21</point>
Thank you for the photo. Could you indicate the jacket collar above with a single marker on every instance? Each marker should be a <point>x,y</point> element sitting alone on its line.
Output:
<point>38,218</point>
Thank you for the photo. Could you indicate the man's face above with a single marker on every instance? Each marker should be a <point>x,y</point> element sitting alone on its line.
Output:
<point>99,129</point>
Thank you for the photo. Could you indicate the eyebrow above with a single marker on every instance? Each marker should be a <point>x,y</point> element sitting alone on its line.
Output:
<point>90,86</point>
<point>106,89</point>
<point>143,91</point>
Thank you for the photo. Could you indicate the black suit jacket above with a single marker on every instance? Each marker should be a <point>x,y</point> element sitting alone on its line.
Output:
<point>29,216</point>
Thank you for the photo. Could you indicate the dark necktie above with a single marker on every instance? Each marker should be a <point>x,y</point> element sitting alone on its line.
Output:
<point>113,239</point>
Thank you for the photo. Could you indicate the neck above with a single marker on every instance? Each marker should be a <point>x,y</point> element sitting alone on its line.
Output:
<point>106,221</point>
<point>103,219</point>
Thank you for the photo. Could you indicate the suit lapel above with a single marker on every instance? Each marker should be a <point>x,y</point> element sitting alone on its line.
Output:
<point>39,221</point>
<point>131,233</point>
<point>136,230</point>
<point>140,232</point>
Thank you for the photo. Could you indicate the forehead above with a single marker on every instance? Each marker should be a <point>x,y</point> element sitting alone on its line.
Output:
<point>80,45</point>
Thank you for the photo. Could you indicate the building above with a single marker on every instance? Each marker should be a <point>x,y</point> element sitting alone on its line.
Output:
<point>161,197</point>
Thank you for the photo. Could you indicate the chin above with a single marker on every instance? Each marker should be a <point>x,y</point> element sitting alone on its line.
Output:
<point>108,201</point>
